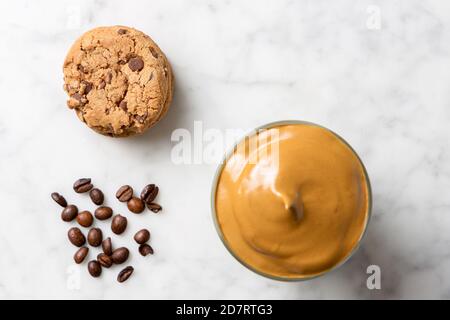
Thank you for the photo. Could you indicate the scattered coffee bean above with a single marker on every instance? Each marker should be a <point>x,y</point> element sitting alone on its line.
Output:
<point>59,199</point>
<point>85,219</point>
<point>95,237</point>
<point>149,193</point>
<point>103,213</point>
<point>154,207</point>
<point>118,224</point>
<point>120,255</point>
<point>125,274</point>
<point>69,213</point>
<point>145,249</point>
<point>104,260</point>
<point>135,205</point>
<point>97,196</point>
<point>142,236</point>
<point>94,268</point>
<point>121,31</point>
<point>82,185</point>
<point>76,237</point>
<point>81,254</point>
<point>124,193</point>
<point>107,246</point>
<point>136,64</point>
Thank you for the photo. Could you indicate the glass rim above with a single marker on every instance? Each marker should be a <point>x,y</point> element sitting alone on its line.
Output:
<point>218,173</point>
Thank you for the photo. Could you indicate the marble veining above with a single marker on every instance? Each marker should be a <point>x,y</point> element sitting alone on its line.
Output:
<point>376,72</point>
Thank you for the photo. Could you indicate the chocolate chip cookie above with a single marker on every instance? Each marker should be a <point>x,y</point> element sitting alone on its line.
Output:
<point>118,80</point>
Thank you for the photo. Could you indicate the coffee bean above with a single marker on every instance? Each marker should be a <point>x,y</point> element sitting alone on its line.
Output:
<point>125,274</point>
<point>136,64</point>
<point>82,185</point>
<point>142,236</point>
<point>104,260</point>
<point>118,224</point>
<point>97,196</point>
<point>85,219</point>
<point>69,213</point>
<point>103,213</point>
<point>135,205</point>
<point>120,255</point>
<point>95,237</point>
<point>107,246</point>
<point>59,199</point>
<point>149,193</point>
<point>154,207</point>
<point>76,237</point>
<point>145,249</point>
<point>94,268</point>
<point>121,31</point>
<point>124,193</point>
<point>80,255</point>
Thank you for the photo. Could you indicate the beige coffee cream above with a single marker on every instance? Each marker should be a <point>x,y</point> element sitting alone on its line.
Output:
<point>292,201</point>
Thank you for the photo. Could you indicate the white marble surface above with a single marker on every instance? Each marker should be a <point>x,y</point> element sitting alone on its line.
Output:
<point>238,64</point>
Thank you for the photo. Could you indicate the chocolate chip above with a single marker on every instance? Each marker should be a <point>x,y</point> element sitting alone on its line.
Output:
<point>82,68</point>
<point>154,52</point>
<point>82,185</point>
<point>77,96</point>
<point>121,31</point>
<point>136,64</point>
<point>80,99</point>
<point>69,213</point>
<point>139,118</point>
<point>123,105</point>
<point>109,77</point>
<point>124,193</point>
<point>102,84</point>
<point>125,274</point>
<point>85,219</point>
<point>87,87</point>
<point>96,196</point>
<point>145,249</point>
<point>59,199</point>
<point>80,255</point>
<point>154,207</point>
